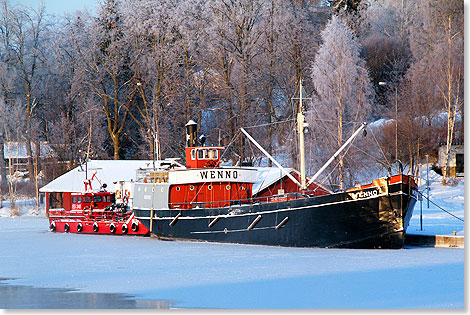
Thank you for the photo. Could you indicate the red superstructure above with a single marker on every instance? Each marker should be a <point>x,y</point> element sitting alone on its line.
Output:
<point>95,212</point>
<point>205,184</point>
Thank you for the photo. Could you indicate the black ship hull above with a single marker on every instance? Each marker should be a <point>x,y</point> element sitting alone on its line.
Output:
<point>374,217</point>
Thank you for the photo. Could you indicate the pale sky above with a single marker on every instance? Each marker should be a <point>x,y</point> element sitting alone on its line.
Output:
<point>60,7</point>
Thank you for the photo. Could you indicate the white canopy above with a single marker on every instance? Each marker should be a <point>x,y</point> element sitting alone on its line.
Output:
<point>267,176</point>
<point>107,171</point>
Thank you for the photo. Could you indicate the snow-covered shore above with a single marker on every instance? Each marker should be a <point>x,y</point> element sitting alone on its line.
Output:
<point>435,220</point>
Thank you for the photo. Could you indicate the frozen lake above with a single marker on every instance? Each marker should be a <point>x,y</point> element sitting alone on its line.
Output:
<point>48,269</point>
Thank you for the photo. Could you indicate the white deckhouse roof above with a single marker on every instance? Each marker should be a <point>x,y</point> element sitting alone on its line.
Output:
<point>107,171</point>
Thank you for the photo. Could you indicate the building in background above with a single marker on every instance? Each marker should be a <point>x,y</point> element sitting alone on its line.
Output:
<point>456,159</point>
<point>16,156</point>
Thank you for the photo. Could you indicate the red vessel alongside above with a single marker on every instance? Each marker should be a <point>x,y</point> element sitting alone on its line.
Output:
<point>96,212</point>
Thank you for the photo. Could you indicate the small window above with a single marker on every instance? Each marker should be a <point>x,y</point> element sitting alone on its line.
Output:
<point>97,199</point>
<point>74,199</point>
<point>212,154</point>
<point>201,154</point>
<point>193,154</point>
<point>79,199</point>
<point>86,199</point>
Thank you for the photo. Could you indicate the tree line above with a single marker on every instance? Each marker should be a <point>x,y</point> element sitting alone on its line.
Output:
<point>106,85</point>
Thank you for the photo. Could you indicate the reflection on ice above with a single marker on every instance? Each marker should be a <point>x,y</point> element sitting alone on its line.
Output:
<point>28,297</point>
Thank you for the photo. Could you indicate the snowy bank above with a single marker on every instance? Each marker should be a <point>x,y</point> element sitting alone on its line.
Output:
<point>435,220</point>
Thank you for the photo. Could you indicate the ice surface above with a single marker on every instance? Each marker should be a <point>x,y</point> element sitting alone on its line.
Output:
<point>212,275</point>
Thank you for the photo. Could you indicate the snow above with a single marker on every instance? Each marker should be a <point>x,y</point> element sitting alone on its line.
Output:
<point>26,207</point>
<point>435,220</point>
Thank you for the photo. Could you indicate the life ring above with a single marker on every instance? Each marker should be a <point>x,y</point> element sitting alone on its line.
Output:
<point>79,227</point>
<point>112,228</point>
<point>124,229</point>
<point>118,194</point>
<point>66,228</point>
<point>135,226</point>
<point>96,228</point>
<point>52,227</point>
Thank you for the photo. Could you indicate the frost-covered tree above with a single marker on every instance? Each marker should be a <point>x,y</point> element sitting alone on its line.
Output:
<point>105,69</point>
<point>444,60</point>
<point>22,51</point>
<point>233,38</point>
<point>150,27</point>
<point>384,35</point>
<point>344,94</point>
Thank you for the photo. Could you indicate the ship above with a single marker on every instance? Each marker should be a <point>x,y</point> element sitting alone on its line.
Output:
<point>208,201</point>
<point>97,211</point>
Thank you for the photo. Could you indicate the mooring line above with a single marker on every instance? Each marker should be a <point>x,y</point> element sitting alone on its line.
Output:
<point>440,207</point>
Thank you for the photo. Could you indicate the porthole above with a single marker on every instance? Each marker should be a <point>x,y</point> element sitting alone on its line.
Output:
<point>191,187</point>
<point>228,187</point>
<point>242,187</point>
<point>178,188</point>
<point>209,187</point>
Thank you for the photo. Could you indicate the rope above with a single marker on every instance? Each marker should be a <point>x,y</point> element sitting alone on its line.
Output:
<point>272,123</point>
<point>440,207</point>
<point>228,146</point>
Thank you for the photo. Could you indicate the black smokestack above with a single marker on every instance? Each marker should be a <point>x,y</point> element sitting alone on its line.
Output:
<point>191,134</point>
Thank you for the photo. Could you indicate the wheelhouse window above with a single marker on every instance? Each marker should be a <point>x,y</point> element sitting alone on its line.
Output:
<point>212,154</point>
<point>86,199</point>
<point>76,199</point>
<point>97,199</point>
<point>207,154</point>
<point>193,154</point>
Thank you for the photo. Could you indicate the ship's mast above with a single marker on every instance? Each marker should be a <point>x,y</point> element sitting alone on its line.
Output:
<point>300,129</point>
